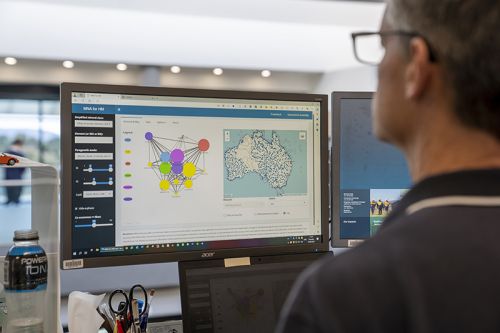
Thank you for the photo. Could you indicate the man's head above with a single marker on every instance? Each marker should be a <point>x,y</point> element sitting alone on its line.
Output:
<point>464,77</point>
<point>17,142</point>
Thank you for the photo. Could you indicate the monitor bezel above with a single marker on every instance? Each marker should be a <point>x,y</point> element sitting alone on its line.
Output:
<point>337,96</point>
<point>66,172</point>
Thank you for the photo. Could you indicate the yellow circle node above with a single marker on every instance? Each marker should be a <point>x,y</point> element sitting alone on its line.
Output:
<point>189,169</point>
<point>150,164</point>
<point>188,183</point>
<point>164,185</point>
<point>176,181</point>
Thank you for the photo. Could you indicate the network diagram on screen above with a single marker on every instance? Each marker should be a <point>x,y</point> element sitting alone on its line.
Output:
<point>159,173</point>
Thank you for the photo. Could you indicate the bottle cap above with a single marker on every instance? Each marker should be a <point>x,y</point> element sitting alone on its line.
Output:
<point>29,234</point>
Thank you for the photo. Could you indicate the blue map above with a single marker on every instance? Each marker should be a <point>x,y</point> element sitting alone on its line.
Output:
<point>263,163</point>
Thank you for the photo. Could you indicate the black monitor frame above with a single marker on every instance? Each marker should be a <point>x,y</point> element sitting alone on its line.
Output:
<point>335,164</point>
<point>254,262</point>
<point>66,174</point>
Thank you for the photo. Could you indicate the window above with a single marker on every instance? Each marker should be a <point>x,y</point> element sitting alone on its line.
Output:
<point>29,114</point>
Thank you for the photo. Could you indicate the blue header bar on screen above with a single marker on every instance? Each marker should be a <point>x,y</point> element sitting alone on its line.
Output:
<point>188,111</point>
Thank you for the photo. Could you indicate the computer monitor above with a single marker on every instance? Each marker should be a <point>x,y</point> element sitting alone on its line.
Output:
<point>368,176</point>
<point>157,174</point>
<point>245,298</point>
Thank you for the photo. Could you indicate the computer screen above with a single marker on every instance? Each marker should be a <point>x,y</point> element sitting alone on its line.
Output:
<point>248,298</point>
<point>368,176</point>
<point>158,174</point>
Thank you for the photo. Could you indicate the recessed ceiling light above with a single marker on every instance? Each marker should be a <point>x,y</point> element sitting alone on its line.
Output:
<point>121,67</point>
<point>10,61</point>
<point>218,71</point>
<point>68,64</point>
<point>175,69</point>
<point>265,73</point>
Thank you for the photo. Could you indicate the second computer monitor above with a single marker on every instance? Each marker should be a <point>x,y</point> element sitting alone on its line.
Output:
<point>368,176</point>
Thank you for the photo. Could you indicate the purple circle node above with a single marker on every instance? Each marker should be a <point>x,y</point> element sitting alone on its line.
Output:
<point>177,156</point>
<point>127,199</point>
<point>149,136</point>
<point>177,168</point>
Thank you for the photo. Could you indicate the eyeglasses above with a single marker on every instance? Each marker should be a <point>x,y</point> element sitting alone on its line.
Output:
<point>368,47</point>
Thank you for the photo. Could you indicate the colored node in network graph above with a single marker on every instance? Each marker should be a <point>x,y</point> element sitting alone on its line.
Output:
<point>176,162</point>
<point>177,156</point>
<point>189,169</point>
<point>177,168</point>
<point>165,156</point>
<point>164,185</point>
<point>165,168</point>
<point>203,145</point>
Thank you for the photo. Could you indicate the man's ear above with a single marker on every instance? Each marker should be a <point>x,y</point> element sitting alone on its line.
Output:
<point>417,74</point>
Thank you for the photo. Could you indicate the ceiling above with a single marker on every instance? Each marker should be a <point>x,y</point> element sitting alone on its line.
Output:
<point>288,35</point>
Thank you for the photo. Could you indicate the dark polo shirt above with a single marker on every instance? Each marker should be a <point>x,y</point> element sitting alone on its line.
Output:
<point>434,266</point>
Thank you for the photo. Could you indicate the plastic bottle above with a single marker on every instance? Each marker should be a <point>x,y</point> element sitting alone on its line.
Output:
<point>3,310</point>
<point>25,283</point>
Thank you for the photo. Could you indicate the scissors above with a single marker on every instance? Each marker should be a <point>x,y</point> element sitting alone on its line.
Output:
<point>127,312</point>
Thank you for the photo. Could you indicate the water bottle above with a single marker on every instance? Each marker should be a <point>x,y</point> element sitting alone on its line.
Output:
<point>3,310</point>
<point>25,283</point>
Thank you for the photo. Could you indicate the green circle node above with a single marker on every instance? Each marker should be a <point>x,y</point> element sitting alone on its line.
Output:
<point>165,168</point>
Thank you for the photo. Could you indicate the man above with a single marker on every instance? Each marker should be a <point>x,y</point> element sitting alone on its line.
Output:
<point>380,206</point>
<point>373,204</point>
<point>14,192</point>
<point>434,265</point>
<point>387,205</point>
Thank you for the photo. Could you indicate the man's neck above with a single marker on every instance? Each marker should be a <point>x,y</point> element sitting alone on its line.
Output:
<point>451,148</point>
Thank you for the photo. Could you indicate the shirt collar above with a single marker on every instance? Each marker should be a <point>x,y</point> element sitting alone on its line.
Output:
<point>483,183</point>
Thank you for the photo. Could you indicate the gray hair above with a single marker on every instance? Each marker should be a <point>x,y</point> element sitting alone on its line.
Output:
<point>465,36</point>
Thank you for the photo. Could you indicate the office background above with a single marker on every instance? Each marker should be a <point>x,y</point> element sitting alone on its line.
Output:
<point>305,45</point>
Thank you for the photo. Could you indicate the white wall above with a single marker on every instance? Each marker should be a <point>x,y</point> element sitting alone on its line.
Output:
<point>353,79</point>
<point>287,35</point>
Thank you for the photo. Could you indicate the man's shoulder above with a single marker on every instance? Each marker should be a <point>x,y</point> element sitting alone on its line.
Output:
<point>380,254</point>
<point>406,238</point>
<point>334,292</point>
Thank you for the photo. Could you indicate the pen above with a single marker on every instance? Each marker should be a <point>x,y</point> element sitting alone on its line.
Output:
<point>135,317</point>
<point>145,317</point>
